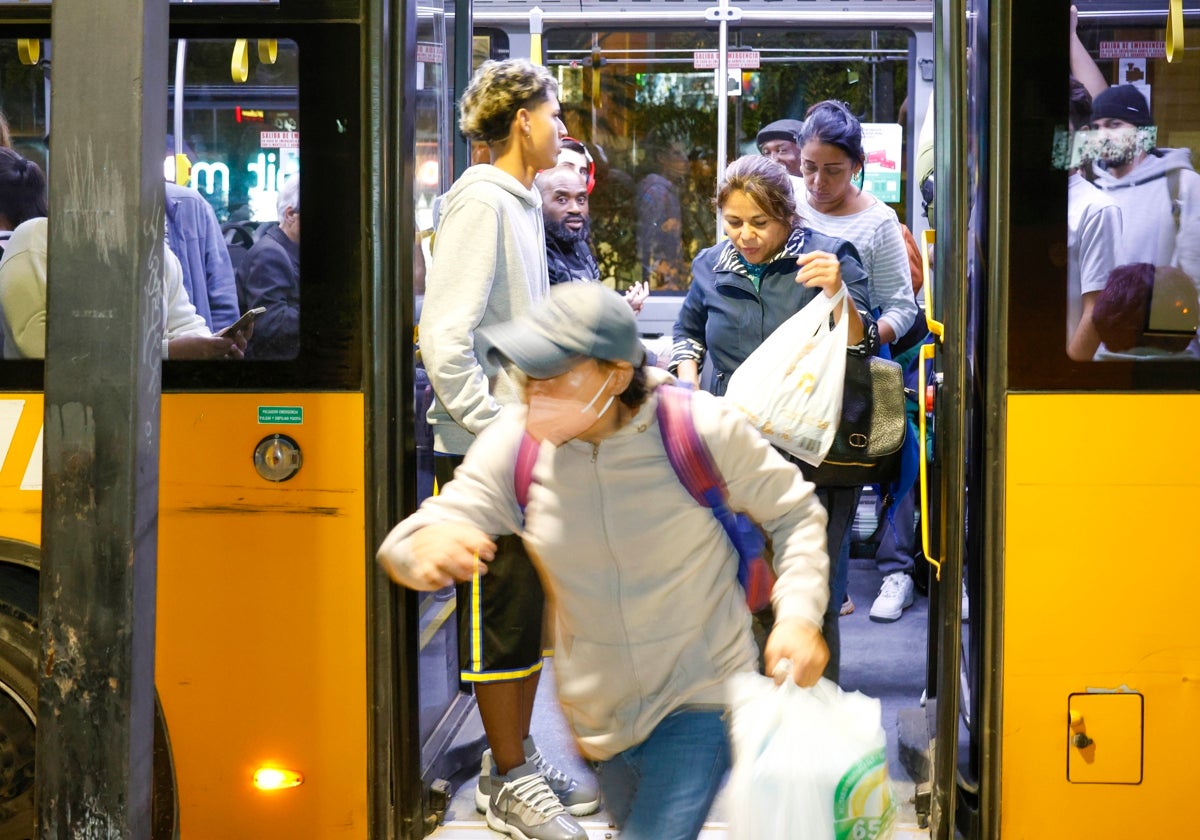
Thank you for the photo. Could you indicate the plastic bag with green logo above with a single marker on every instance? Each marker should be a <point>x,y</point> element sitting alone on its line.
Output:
<point>808,763</point>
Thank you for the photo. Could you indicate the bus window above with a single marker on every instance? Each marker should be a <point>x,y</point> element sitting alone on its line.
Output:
<point>1133,198</point>
<point>643,101</point>
<point>233,145</point>
<point>241,138</point>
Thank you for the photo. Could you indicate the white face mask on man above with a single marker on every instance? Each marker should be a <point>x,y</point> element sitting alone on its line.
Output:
<point>559,419</point>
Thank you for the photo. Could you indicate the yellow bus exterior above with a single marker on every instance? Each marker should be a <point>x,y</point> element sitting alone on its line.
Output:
<point>261,612</point>
<point>1097,509</point>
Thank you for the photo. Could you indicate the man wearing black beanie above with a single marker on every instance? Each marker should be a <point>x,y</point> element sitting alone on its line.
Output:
<point>1157,189</point>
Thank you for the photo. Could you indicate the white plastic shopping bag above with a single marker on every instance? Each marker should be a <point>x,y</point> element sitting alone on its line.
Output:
<point>808,763</point>
<point>790,387</point>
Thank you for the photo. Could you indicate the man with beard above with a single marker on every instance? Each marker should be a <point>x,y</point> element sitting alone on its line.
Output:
<point>565,213</point>
<point>569,229</point>
<point>1157,189</point>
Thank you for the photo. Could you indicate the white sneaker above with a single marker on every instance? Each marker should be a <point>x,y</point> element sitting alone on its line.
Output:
<point>895,596</point>
<point>966,605</point>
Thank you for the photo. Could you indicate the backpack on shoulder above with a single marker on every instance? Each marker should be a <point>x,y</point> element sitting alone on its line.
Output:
<point>697,472</point>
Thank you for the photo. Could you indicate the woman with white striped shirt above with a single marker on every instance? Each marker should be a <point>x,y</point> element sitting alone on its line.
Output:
<point>833,202</point>
<point>832,159</point>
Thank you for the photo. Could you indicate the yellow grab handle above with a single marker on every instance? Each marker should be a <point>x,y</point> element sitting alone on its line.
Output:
<point>535,35</point>
<point>268,50</point>
<point>927,351</point>
<point>183,170</point>
<point>928,239</point>
<point>938,329</point>
<point>29,50</point>
<point>239,65</point>
<point>1174,30</point>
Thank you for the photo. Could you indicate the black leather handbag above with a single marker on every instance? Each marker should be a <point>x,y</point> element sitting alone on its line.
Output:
<point>870,435</point>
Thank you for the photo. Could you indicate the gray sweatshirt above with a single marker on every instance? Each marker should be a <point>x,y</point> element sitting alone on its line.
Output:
<point>489,266</point>
<point>1149,227</point>
<point>649,616</point>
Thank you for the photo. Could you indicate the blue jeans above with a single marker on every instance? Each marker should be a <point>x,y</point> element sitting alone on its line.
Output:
<point>662,788</point>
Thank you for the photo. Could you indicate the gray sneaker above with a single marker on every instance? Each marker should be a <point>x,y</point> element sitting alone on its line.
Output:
<point>522,806</point>
<point>579,796</point>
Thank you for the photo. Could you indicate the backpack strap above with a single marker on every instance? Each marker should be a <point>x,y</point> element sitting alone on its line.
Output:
<point>698,473</point>
<point>527,452</point>
<point>689,457</point>
<point>1173,192</point>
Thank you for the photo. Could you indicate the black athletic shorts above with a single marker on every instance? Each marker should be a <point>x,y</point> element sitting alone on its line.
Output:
<point>500,613</point>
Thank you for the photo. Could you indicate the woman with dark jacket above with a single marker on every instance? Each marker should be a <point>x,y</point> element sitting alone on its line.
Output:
<point>744,288</point>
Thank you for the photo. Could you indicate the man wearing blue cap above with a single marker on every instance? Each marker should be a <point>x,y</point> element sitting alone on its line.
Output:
<point>650,622</point>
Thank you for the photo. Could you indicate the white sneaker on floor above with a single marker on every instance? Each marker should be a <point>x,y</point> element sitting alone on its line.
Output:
<point>895,596</point>
<point>522,806</point>
<point>966,605</point>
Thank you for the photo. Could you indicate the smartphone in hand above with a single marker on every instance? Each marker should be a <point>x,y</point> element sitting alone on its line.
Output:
<point>241,323</point>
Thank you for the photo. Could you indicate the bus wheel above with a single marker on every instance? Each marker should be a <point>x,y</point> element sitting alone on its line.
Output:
<point>18,718</point>
<point>18,700</point>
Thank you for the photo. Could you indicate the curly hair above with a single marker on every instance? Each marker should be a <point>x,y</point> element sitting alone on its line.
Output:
<point>766,183</point>
<point>496,92</point>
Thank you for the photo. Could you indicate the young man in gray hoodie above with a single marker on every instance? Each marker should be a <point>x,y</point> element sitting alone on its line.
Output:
<point>489,266</point>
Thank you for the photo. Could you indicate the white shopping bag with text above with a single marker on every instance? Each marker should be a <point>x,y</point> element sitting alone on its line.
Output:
<point>790,387</point>
<point>808,763</point>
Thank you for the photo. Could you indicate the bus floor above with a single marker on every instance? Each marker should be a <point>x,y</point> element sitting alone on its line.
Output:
<point>886,661</point>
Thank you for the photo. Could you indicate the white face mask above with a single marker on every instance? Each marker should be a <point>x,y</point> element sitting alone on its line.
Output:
<point>560,420</point>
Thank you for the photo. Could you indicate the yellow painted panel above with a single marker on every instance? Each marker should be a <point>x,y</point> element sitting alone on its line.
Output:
<point>261,649</point>
<point>1101,560</point>
<point>261,631</point>
<point>21,467</point>
<point>1105,738</point>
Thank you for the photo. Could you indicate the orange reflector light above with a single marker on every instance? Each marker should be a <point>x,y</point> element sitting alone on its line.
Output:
<point>272,778</point>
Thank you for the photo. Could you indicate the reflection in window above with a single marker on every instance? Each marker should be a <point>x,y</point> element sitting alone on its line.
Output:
<point>241,145</point>
<point>647,112</point>
<point>1133,202</point>
<point>231,199</point>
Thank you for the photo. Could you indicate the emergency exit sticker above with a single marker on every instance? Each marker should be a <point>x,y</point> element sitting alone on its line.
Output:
<point>290,415</point>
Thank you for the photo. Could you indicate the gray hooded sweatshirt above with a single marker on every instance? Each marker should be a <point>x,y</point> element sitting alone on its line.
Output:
<point>1151,225</point>
<point>649,617</point>
<point>489,266</point>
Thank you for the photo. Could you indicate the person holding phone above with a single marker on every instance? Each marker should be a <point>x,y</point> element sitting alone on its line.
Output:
<point>23,305</point>
<point>269,277</point>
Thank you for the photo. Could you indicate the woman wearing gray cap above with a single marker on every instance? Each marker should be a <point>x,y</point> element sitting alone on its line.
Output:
<point>650,621</point>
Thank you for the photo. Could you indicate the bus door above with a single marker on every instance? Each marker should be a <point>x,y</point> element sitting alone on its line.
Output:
<point>450,740</point>
<point>288,701</point>
<point>643,95</point>
<point>1072,708</point>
